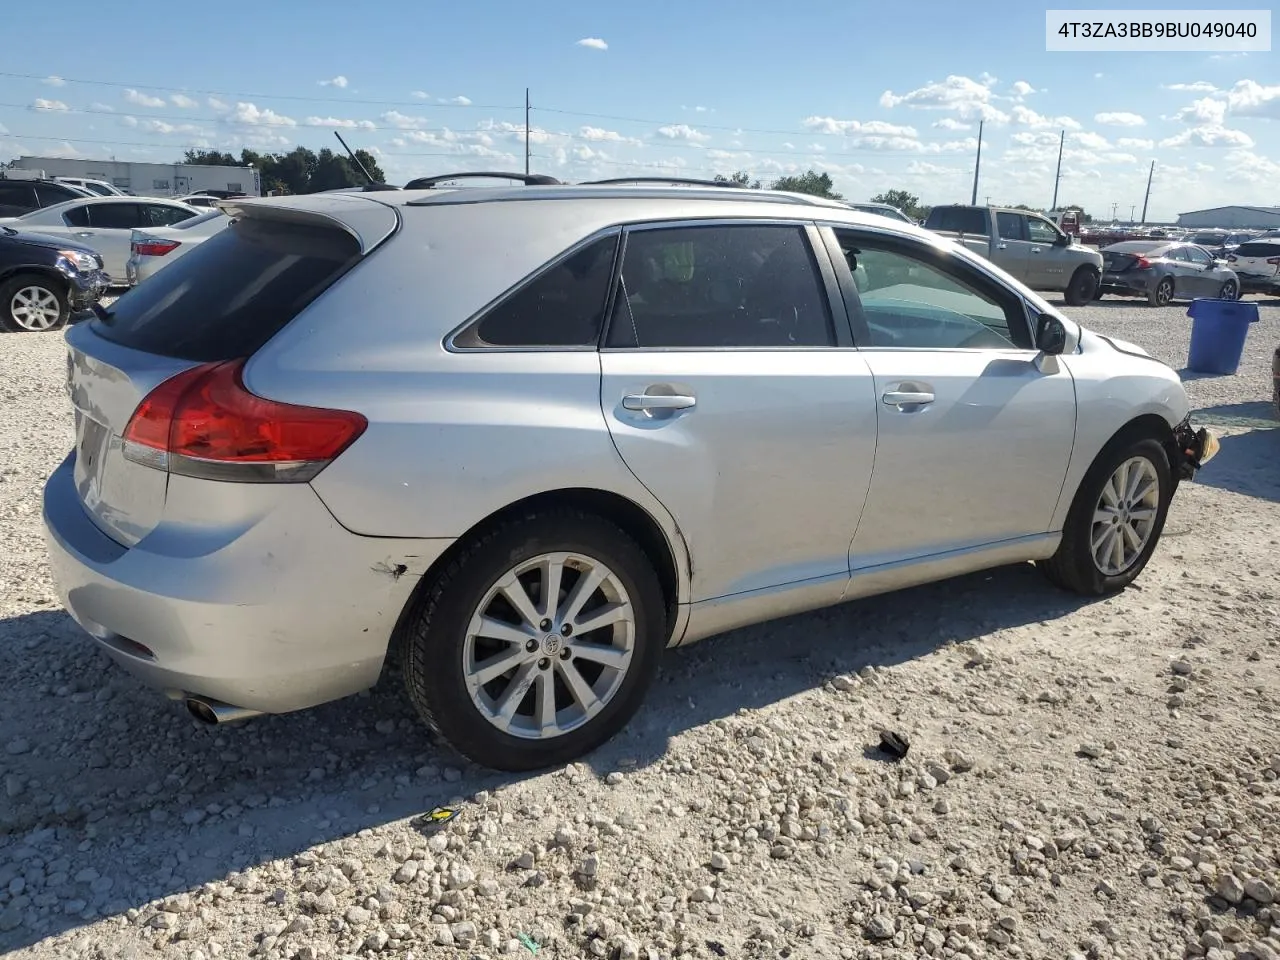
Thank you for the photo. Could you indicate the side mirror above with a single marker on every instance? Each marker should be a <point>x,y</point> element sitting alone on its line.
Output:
<point>1051,335</point>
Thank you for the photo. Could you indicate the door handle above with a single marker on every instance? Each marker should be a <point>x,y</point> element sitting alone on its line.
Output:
<point>1002,246</point>
<point>902,398</point>
<point>84,233</point>
<point>657,401</point>
<point>1035,249</point>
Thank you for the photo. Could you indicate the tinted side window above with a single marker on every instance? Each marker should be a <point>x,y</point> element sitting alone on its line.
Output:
<point>115,216</point>
<point>232,293</point>
<point>77,217</point>
<point>1258,250</point>
<point>1010,226</point>
<point>720,286</point>
<point>959,220</point>
<point>1199,256</point>
<point>561,307</point>
<point>50,194</point>
<point>1180,254</point>
<point>913,297</point>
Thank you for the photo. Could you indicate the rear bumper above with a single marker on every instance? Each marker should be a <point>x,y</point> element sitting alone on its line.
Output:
<point>1122,284</point>
<point>1250,284</point>
<point>291,612</point>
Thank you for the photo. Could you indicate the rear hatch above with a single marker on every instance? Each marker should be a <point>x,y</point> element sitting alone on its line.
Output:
<point>221,302</point>
<point>1257,259</point>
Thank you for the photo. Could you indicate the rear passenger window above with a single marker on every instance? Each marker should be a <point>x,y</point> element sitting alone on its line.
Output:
<point>560,307</point>
<point>720,286</point>
<point>232,293</point>
<point>1010,226</point>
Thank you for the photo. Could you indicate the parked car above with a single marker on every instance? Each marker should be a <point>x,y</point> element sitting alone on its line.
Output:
<point>883,209</point>
<point>1258,265</point>
<point>106,224</point>
<point>522,439</point>
<point>18,197</point>
<point>93,187</point>
<point>202,200</point>
<point>152,248</point>
<point>1163,272</point>
<point>1030,247</point>
<point>45,281</point>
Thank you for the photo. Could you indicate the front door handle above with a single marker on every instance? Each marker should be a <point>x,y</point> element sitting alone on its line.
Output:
<point>85,233</point>
<point>657,401</point>
<point>903,398</point>
<point>1035,249</point>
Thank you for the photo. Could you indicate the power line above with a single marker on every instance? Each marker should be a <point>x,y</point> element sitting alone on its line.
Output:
<point>181,146</point>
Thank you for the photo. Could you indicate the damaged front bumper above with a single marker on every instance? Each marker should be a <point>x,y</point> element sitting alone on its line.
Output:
<point>1195,447</point>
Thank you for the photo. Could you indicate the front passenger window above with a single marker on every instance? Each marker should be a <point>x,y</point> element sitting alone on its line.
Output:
<point>1041,231</point>
<point>911,300</point>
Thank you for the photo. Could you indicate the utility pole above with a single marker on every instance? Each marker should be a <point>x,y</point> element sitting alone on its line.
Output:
<point>1151,173</point>
<point>526,131</point>
<point>1132,207</point>
<point>1062,139</point>
<point>1114,205</point>
<point>977,163</point>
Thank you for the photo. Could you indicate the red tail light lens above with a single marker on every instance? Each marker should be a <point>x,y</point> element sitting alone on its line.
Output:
<point>154,248</point>
<point>1274,261</point>
<point>1142,264</point>
<point>1231,258</point>
<point>205,423</point>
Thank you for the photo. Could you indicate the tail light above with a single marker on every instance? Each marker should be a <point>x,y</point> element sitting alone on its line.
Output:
<point>1274,261</point>
<point>205,423</point>
<point>1142,263</point>
<point>1231,258</point>
<point>151,247</point>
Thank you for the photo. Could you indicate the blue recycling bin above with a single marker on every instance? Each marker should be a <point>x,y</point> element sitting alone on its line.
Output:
<point>1218,332</point>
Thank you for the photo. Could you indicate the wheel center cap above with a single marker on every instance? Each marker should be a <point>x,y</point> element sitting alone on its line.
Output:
<point>551,644</point>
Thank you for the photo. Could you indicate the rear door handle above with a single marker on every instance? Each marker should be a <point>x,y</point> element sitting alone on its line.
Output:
<point>902,398</point>
<point>657,401</point>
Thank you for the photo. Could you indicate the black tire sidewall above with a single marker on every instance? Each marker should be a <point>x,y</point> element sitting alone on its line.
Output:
<point>1155,293</point>
<point>433,651</point>
<point>1082,509</point>
<point>11,286</point>
<point>1083,288</point>
<point>1233,287</point>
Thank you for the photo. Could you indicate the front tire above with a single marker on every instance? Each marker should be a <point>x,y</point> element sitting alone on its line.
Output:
<point>539,641</point>
<point>1083,287</point>
<point>1161,294</point>
<point>1115,520</point>
<point>32,303</point>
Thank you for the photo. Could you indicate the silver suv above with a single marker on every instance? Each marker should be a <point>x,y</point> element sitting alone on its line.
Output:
<point>523,439</point>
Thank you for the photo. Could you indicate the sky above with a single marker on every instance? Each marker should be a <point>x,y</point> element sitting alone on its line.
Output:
<point>880,95</point>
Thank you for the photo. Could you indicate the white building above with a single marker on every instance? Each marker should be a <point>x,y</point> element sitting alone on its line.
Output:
<point>1232,218</point>
<point>151,179</point>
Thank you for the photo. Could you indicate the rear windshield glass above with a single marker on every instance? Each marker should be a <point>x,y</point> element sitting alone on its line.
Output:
<point>232,293</point>
<point>1259,249</point>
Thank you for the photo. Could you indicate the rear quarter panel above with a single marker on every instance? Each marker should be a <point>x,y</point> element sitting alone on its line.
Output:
<point>453,437</point>
<point>1112,389</point>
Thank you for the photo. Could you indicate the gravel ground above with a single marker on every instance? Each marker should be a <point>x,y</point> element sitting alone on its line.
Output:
<point>1085,779</point>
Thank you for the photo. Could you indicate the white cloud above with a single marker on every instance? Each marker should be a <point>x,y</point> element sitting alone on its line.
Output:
<point>167,129</point>
<point>682,131</point>
<point>1132,143</point>
<point>947,123</point>
<point>216,104</point>
<point>1120,119</point>
<point>963,96</point>
<point>1245,166</point>
<point>101,107</point>
<point>54,81</point>
<point>183,101</point>
<point>402,121</point>
<point>849,127</point>
<point>252,115</point>
<point>339,81</point>
<point>143,99</point>
<point>340,123</point>
<point>420,95</point>
<point>1023,89</point>
<point>461,101</point>
<point>1090,141</point>
<point>1248,98</point>
<point>1198,86</point>
<point>3,130</point>
<point>1209,135</point>
<point>1026,117</point>
<point>49,106</point>
<point>593,43</point>
<point>1206,111</point>
<point>610,136</point>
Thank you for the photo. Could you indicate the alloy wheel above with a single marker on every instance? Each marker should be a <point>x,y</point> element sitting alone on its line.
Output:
<point>1125,516</point>
<point>35,308</point>
<point>549,646</point>
<point>1164,293</point>
<point>1229,291</point>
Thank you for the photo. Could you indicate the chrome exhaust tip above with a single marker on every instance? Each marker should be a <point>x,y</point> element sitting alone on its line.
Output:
<point>211,711</point>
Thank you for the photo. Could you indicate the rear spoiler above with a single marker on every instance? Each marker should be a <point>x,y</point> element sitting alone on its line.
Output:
<point>367,223</point>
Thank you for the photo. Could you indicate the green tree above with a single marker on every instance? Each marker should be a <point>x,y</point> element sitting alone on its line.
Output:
<point>905,201</point>
<point>211,158</point>
<point>740,177</point>
<point>301,170</point>
<point>811,182</point>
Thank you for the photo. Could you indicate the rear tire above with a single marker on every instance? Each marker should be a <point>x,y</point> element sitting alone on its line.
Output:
<point>1230,291</point>
<point>1083,287</point>
<point>33,303</point>
<point>1161,294</point>
<point>1114,501</point>
<point>594,676</point>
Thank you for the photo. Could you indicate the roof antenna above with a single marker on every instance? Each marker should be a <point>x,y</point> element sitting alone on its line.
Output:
<point>354,159</point>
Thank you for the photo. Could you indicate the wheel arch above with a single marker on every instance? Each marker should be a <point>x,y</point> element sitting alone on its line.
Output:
<point>40,270</point>
<point>670,561</point>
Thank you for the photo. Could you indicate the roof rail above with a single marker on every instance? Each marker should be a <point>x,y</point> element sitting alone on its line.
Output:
<point>685,181</point>
<point>528,179</point>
